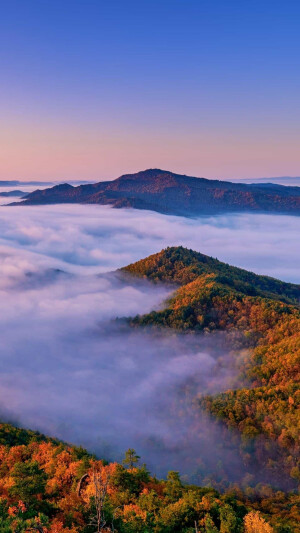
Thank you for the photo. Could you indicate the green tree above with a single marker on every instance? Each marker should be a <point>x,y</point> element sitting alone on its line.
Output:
<point>174,487</point>
<point>229,520</point>
<point>29,482</point>
<point>131,458</point>
<point>209,525</point>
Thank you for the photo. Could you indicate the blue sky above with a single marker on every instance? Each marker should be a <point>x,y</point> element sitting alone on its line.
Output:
<point>93,89</point>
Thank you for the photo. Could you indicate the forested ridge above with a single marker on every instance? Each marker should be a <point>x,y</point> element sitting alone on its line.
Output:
<point>170,193</point>
<point>51,487</point>
<point>255,312</point>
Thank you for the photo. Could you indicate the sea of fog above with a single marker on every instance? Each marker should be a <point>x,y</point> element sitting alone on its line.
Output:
<point>69,370</point>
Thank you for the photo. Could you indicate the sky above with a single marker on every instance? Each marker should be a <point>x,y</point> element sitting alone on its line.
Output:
<point>95,89</point>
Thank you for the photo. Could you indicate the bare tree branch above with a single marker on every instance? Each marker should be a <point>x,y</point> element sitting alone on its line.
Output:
<point>100,482</point>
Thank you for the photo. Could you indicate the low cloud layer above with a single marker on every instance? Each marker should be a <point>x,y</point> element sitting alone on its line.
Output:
<point>69,371</point>
<point>92,239</point>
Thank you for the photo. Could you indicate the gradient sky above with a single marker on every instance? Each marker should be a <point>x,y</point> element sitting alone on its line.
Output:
<point>94,89</point>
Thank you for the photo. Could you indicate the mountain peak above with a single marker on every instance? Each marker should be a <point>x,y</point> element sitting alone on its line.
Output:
<point>180,265</point>
<point>178,194</point>
<point>148,174</point>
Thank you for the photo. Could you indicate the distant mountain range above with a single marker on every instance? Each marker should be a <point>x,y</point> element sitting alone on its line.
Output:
<point>292,181</point>
<point>166,192</point>
<point>9,194</point>
<point>17,183</point>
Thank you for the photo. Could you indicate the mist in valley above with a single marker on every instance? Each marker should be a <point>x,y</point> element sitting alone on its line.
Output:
<point>71,371</point>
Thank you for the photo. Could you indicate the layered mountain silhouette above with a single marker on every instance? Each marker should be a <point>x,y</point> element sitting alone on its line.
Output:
<point>8,194</point>
<point>169,193</point>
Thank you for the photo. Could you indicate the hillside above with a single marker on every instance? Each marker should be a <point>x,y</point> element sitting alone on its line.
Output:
<point>170,193</point>
<point>51,487</point>
<point>9,194</point>
<point>181,266</point>
<point>255,312</point>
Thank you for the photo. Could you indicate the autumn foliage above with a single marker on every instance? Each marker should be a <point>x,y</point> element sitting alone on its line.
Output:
<point>50,487</point>
<point>255,313</point>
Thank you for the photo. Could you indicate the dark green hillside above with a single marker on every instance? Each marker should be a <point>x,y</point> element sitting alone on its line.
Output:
<point>180,265</point>
<point>14,436</point>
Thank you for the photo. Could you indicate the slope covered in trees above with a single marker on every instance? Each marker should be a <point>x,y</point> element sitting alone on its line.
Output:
<point>51,487</point>
<point>181,266</point>
<point>167,192</point>
<point>257,313</point>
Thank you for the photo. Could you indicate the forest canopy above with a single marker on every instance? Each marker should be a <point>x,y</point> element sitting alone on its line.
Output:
<point>52,487</point>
